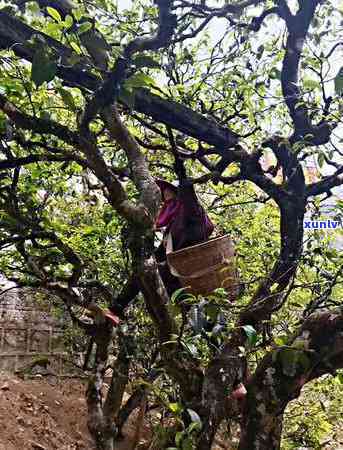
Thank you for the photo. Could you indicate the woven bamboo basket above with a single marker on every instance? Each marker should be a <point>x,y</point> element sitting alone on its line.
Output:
<point>205,267</point>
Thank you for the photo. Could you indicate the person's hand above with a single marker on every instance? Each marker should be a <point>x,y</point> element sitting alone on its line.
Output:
<point>240,392</point>
<point>100,315</point>
<point>111,317</point>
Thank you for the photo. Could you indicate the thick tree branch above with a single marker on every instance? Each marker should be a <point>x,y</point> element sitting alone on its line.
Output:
<point>166,28</point>
<point>120,378</point>
<point>138,165</point>
<point>298,26</point>
<point>14,34</point>
<point>19,162</point>
<point>285,12</point>
<point>41,126</point>
<point>109,90</point>
<point>293,175</point>
<point>324,185</point>
<point>87,146</point>
<point>317,349</point>
<point>101,427</point>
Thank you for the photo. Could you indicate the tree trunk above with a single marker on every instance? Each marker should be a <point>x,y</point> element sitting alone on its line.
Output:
<point>261,431</point>
<point>105,442</point>
<point>102,430</point>
<point>207,434</point>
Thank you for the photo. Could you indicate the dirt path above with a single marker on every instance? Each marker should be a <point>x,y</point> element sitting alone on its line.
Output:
<point>38,415</point>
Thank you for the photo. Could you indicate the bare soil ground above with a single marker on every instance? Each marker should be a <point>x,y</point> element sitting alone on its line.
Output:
<point>38,415</point>
<point>50,413</point>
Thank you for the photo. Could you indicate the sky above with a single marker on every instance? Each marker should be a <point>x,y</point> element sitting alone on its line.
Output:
<point>217,27</point>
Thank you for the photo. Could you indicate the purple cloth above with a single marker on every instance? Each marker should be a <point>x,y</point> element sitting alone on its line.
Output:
<point>184,217</point>
<point>167,213</point>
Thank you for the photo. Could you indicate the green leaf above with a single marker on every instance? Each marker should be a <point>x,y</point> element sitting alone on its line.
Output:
<point>194,426</point>
<point>221,292</point>
<point>89,229</point>
<point>178,438</point>
<point>175,407</point>
<point>146,61</point>
<point>85,26</point>
<point>53,29</point>
<point>77,13</point>
<point>179,294</point>
<point>275,74</point>
<point>76,48</point>
<point>43,67</point>
<point>191,348</point>
<point>54,14</point>
<point>281,340</point>
<point>187,444</point>
<point>127,96</point>
<point>139,80</point>
<point>67,98</point>
<point>321,159</point>
<point>310,84</point>
<point>251,334</point>
<point>339,377</point>
<point>68,22</point>
<point>34,8</point>
<point>339,82</point>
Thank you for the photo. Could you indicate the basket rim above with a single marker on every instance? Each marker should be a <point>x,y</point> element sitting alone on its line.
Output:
<point>202,244</point>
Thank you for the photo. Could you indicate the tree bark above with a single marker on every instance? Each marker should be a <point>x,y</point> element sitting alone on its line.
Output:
<point>101,429</point>
<point>263,433</point>
<point>283,372</point>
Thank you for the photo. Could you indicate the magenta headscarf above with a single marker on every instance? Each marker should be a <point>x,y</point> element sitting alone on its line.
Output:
<point>168,212</point>
<point>170,207</point>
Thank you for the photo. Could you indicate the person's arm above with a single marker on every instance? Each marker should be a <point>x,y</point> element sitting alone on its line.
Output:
<point>197,225</point>
<point>189,199</point>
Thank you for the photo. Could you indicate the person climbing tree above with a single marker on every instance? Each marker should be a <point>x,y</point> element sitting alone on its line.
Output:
<point>185,223</point>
